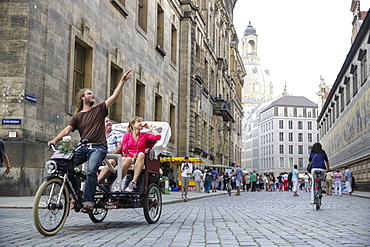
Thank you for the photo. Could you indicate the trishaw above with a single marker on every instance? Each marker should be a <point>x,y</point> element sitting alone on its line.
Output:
<point>52,201</point>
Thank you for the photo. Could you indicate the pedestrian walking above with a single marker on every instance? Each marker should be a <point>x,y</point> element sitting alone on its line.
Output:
<point>329,183</point>
<point>4,157</point>
<point>214,180</point>
<point>238,179</point>
<point>207,180</point>
<point>295,177</point>
<point>198,178</point>
<point>348,180</point>
<point>254,181</point>
<point>338,178</point>
<point>186,172</point>
<point>286,181</point>
<point>248,182</point>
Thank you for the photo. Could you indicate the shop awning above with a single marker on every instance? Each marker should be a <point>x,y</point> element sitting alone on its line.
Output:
<point>181,160</point>
<point>219,166</point>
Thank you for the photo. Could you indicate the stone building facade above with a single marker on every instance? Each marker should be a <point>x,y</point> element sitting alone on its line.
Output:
<point>186,70</point>
<point>344,119</point>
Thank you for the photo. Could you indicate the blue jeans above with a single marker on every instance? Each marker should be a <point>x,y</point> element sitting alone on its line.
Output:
<point>94,157</point>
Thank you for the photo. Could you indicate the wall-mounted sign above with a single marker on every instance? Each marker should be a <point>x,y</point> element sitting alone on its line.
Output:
<point>11,121</point>
<point>31,98</point>
<point>12,134</point>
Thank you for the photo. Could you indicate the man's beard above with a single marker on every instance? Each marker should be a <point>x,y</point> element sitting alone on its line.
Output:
<point>90,102</point>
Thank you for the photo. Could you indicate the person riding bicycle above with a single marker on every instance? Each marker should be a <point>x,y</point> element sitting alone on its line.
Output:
<point>90,123</point>
<point>319,161</point>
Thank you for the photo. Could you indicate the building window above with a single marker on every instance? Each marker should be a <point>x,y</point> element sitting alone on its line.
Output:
<point>290,124</point>
<point>158,108</point>
<point>281,149</point>
<point>291,162</point>
<point>342,100</point>
<point>82,70</point>
<point>290,111</point>
<point>309,137</point>
<point>290,149</point>
<point>79,68</point>
<point>174,44</point>
<point>354,83</point>
<point>120,5</point>
<point>300,137</point>
<point>281,111</point>
<point>309,125</point>
<point>281,124</point>
<point>160,31</point>
<point>299,112</point>
<point>348,89</point>
<point>300,163</point>
<point>300,125</point>
<point>172,123</point>
<point>363,66</point>
<point>115,111</point>
<point>281,162</point>
<point>281,136</point>
<point>300,149</point>
<point>140,99</point>
<point>309,112</point>
<point>290,137</point>
<point>142,14</point>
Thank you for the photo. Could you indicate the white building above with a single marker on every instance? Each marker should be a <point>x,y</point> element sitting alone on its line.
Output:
<point>279,134</point>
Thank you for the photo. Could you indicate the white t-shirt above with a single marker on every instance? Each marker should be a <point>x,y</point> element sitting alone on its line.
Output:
<point>197,175</point>
<point>186,171</point>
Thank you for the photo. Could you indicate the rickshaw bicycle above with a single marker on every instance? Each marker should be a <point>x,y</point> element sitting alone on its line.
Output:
<point>52,201</point>
<point>318,177</point>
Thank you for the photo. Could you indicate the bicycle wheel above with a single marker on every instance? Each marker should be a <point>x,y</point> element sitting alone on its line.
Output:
<point>50,207</point>
<point>152,204</point>
<point>317,196</point>
<point>98,214</point>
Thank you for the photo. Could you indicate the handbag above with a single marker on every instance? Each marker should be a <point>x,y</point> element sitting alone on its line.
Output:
<point>309,166</point>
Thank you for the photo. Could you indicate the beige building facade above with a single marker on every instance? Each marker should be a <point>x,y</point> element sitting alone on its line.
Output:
<point>186,70</point>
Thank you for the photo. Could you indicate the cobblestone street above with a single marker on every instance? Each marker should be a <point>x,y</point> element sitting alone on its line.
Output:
<point>252,219</point>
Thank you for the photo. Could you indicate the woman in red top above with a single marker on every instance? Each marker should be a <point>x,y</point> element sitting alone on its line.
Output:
<point>133,147</point>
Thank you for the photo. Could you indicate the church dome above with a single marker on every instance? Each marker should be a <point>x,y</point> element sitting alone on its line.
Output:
<point>250,30</point>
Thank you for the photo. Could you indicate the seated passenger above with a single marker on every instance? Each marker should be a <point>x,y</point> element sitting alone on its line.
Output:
<point>133,148</point>
<point>114,139</point>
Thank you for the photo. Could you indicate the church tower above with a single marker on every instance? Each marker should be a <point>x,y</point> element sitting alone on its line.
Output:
<point>257,85</point>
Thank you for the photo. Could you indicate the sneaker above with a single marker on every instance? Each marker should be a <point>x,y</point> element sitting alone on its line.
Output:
<point>131,187</point>
<point>312,202</point>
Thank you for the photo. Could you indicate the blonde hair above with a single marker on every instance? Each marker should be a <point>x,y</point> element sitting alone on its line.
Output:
<point>79,103</point>
<point>129,127</point>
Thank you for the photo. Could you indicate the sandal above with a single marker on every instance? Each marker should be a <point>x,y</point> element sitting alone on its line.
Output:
<point>87,209</point>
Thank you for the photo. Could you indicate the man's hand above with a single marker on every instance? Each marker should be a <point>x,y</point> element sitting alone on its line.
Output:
<point>126,76</point>
<point>7,170</point>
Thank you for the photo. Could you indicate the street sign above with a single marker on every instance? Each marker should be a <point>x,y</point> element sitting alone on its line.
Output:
<point>11,121</point>
<point>12,134</point>
<point>31,98</point>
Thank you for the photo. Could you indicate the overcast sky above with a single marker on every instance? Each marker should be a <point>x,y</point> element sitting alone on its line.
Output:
<point>299,40</point>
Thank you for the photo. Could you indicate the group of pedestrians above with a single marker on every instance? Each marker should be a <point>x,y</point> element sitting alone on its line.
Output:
<point>209,180</point>
<point>292,181</point>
